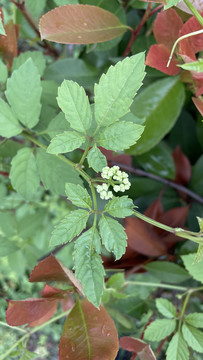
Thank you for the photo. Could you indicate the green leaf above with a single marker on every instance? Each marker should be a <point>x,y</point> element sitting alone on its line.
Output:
<point>159,329</point>
<point>75,104</point>
<point>177,349</point>
<point>65,142</point>
<point>160,104</point>
<point>195,319</point>
<point>116,281</point>
<point>88,266</point>
<point>35,7</point>
<point>57,125</point>
<point>80,24</point>
<point>55,173</point>
<point>37,58</point>
<point>69,227</point>
<point>6,246</point>
<point>158,161</point>
<point>195,269</point>
<point>78,195</point>
<point>2,30</point>
<point>72,69</point>
<point>65,2</point>
<point>166,308</point>
<point>24,176</point>
<point>120,207</point>
<point>193,337</point>
<point>193,66</point>
<point>120,136</point>
<point>116,89</point>
<point>96,159</point>
<point>9,125</point>
<point>3,72</point>
<point>113,236</point>
<point>167,271</point>
<point>199,254</point>
<point>23,93</point>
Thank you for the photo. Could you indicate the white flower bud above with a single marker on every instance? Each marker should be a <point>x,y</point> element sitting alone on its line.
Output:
<point>116,188</point>
<point>122,187</point>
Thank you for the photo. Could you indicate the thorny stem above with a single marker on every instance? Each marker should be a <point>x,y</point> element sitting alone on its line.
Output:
<point>194,11</point>
<point>45,44</point>
<point>27,335</point>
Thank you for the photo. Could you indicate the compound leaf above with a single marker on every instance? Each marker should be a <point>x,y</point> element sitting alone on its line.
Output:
<point>65,142</point>
<point>113,236</point>
<point>120,136</point>
<point>195,319</point>
<point>160,329</point>
<point>75,104</point>
<point>69,227</point>
<point>193,337</point>
<point>78,195</point>
<point>117,88</point>
<point>24,176</point>
<point>88,265</point>
<point>96,159</point>
<point>23,93</point>
<point>195,269</point>
<point>120,207</point>
<point>166,308</point>
<point>9,125</point>
<point>177,349</point>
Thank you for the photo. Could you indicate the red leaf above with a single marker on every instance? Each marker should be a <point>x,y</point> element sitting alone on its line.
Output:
<point>158,56</point>
<point>175,217</point>
<point>167,27</point>
<point>62,295</point>
<point>193,44</point>
<point>8,44</point>
<point>143,239</point>
<point>112,157</point>
<point>199,104</point>
<point>155,209</point>
<point>142,349</point>
<point>88,333</point>
<point>80,24</point>
<point>183,167</point>
<point>51,269</point>
<point>198,82</point>
<point>30,311</point>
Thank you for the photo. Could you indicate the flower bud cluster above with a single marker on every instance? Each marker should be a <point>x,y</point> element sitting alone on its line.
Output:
<point>117,178</point>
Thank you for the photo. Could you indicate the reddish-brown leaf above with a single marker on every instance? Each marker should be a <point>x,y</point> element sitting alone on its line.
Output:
<point>88,333</point>
<point>167,27</point>
<point>175,217</point>
<point>193,44</point>
<point>112,157</point>
<point>8,44</point>
<point>198,4</point>
<point>63,295</point>
<point>182,166</point>
<point>198,83</point>
<point>199,104</point>
<point>80,24</point>
<point>30,311</point>
<point>143,239</point>
<point>142,349</point>
<point>51,269</point>
<point>155,209</point>
<point>158,56</point>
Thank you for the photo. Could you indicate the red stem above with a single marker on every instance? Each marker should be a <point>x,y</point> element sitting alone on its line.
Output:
<point>44,44</point>
<point>161,345</point>
<point>135,32</point>
<point>4,173</point>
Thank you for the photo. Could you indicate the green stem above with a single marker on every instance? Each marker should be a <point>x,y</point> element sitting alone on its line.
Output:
<point>179,39</point>
<point>194,11</point>
<point>13,327</point>
<point>163,286</point>
<point>85,153</point>
<point>184,309</point>
<point>27,335</point>
<point>61,157</point>
<point>195,237</point>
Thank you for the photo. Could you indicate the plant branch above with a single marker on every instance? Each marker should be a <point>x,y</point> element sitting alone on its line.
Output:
<point>194,11</point>
<point>44,44</point>
<point>148,13</point>
<point>162,180</point>
<point>27,335</point>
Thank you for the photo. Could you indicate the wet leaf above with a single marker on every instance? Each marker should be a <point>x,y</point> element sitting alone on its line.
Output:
<point>88,333</point>
<point>142,349</point>
<point>80,24</point>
